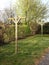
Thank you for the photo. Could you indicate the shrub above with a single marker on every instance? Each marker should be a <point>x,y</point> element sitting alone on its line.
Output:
<point>46,28</point>
<point>23,31</point>
<point>33,27</point>
<point>5,38</point>
<point>10,31</point>
<point>39,29</point>
<point>7,33</point>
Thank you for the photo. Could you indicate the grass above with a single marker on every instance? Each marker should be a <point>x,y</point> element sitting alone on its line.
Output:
<point>30,49</point>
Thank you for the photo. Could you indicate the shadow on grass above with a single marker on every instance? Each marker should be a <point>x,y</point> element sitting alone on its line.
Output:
<point>3,43</point>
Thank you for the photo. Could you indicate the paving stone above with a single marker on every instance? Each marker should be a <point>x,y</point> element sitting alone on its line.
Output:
<point>45,60</point>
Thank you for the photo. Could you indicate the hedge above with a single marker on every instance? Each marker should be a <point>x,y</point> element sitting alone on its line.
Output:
<point>23,31</point>
<point>45,28</point>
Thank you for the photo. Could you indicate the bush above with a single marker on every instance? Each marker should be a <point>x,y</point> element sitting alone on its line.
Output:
<point>23,31</point>
<point>39,29</point>
<point>33,27</point>
<point>46,28</point>
<point>7,33</point>
<point>5,38</point>
<point>10,31</point>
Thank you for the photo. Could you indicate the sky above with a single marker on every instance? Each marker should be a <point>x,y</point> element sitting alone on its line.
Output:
<point>45,1</point>
<point>5,3</point>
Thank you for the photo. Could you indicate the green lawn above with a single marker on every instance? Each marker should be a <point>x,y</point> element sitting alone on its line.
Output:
<point>29,50</point>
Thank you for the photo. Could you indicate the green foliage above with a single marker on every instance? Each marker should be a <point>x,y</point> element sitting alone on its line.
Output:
<point>32,10</point>
<point>7,34</point>
<point>46,28</point>
<point>5,38</point>
<point>10,31</point>
<point>39,29</point>
<point>23,31</point>
<point>33,27</point>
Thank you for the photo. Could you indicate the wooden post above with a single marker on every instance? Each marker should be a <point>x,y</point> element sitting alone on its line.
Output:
<point>16,46</point>
<point>16,20</point>
<point>41,29</point>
